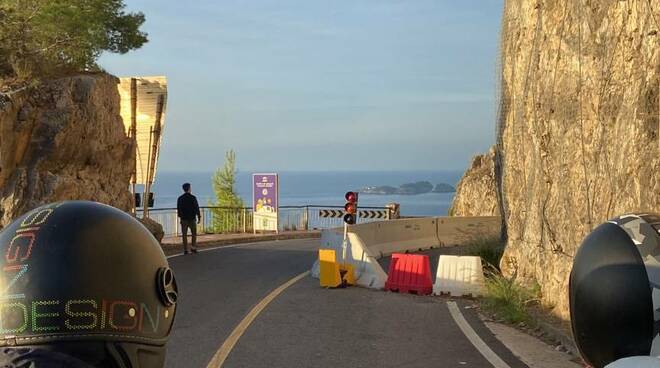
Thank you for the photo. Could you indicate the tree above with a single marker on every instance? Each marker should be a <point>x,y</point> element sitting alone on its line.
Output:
<point>227,218</point>
<point>47,38</point>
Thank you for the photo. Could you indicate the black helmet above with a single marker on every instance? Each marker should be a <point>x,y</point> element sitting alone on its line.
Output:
<point>87,280</point>
<point>614,290</point>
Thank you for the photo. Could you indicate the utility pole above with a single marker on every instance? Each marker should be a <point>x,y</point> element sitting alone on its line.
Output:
<point>132,133</point>
<point>153,153</point>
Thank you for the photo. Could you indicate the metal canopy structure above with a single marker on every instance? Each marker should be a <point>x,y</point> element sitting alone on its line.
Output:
<point>143,105</point>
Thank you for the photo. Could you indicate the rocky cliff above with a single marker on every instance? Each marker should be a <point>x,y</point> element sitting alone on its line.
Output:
<point>476,192</point>
<point>63,140</point>
<point>578,128</point>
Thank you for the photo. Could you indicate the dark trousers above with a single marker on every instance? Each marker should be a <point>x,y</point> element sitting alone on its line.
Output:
<point>192,225</point>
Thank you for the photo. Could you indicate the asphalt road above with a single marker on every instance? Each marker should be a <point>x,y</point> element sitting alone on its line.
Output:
<point>217,288</point>
<point>307,326</point>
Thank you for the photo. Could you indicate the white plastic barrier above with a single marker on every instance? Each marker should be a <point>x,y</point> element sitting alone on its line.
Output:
<point>330,239</point>
<point>458,276</point>
<point>368,272</point>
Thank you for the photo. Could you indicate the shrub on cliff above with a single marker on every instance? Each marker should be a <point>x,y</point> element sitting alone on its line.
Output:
<point>490,251</point>
<point>45,38</point>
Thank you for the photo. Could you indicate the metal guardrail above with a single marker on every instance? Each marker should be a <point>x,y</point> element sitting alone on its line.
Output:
<point>216,220</point>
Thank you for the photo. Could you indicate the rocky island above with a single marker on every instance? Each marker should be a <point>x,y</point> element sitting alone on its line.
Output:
<point>444,188</point>
<point>420,187</point>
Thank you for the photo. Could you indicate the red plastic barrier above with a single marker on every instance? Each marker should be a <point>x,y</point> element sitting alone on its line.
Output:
<point>409,273</point>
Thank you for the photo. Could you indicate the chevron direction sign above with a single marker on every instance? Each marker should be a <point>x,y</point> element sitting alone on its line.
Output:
<point>373,214</point>
<point>331,213</point>
<point>365,214</point>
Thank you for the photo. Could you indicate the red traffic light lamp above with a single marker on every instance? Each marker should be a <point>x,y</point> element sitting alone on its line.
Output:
<point>351,208</point>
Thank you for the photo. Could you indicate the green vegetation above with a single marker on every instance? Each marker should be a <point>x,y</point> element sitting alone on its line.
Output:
<point>506,298</point>
<point>230,217</point>
<point>48,38</point>
<point>509,300</point>
<point>489,249</point>
<point>419,187</point>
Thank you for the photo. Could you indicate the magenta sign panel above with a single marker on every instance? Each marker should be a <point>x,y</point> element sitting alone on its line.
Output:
<point>265,198</point>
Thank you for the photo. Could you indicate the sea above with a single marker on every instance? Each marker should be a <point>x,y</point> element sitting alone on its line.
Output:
<point>320,188</point>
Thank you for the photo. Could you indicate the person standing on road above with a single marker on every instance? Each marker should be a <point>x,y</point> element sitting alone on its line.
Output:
<point>187,209</point>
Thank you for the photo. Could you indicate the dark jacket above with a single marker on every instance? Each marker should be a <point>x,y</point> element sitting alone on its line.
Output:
<point>187,207</point>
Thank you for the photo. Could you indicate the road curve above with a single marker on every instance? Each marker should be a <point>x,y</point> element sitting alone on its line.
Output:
<point>307,326</point>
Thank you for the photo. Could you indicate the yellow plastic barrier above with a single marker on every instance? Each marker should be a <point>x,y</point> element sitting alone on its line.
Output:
<point>329,269</point>
<point>348,273</point>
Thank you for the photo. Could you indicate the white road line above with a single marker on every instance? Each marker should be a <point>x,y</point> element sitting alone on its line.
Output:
<point>223,352</point>
<point>226,348</point>
<point>478,343</point>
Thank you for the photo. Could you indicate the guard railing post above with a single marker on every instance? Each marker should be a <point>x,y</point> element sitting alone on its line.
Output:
<point>306,219</point>
<point>244,220</point>
<point>202,216</point>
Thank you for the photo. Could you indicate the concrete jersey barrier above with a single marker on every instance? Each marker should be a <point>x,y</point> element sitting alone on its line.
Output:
<point>386,237</point>
<point>460,230</point>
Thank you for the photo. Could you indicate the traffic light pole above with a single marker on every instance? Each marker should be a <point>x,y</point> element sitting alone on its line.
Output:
<point>344,244</point>
<point>350,218</point>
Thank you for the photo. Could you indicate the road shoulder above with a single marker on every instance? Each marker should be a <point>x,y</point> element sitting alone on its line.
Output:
<point>532,351</point>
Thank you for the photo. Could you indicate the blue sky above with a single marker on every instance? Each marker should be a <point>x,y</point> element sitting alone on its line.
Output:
<point>321,85</point>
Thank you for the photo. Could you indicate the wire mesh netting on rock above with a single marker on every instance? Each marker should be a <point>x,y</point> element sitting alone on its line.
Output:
<point>577,129</point>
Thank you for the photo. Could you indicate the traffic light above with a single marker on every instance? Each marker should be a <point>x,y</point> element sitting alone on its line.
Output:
<point>138,200</point>
<point>351,208</point>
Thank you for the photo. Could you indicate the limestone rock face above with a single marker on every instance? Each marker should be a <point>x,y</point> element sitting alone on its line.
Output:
<point>578,128</point>
<point>63,140</point>
<point>476,192</point>
<point>154,228</point>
